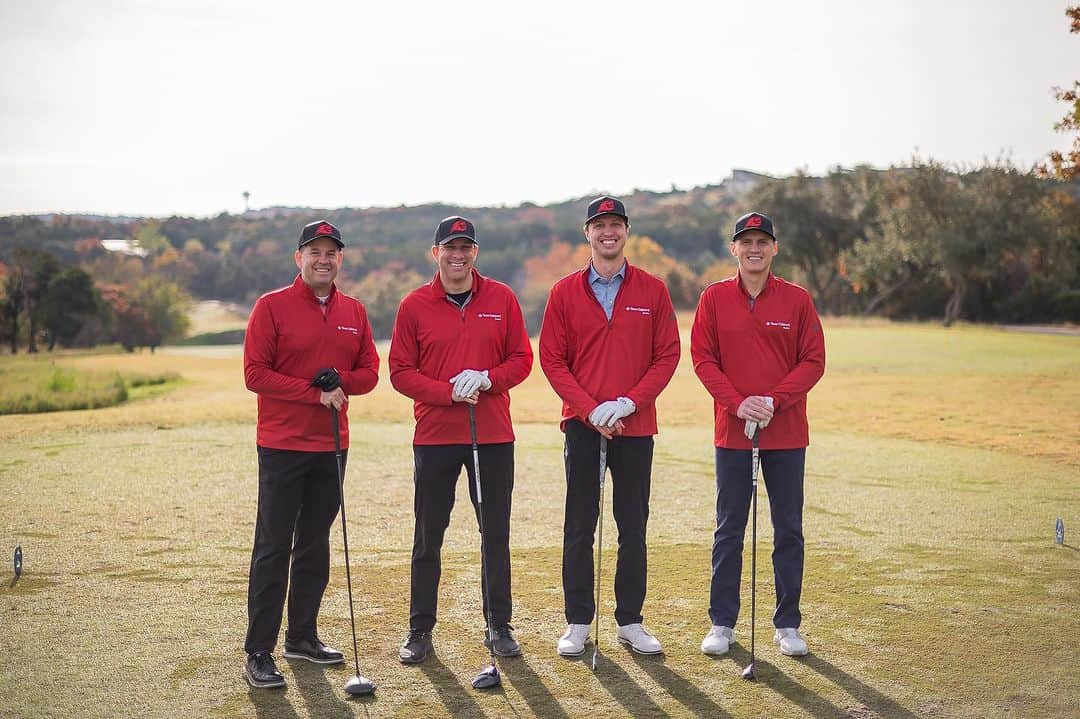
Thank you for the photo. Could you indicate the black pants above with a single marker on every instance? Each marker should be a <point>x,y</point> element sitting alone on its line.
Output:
<point>783,473</point>
<point>630,462</point>
<point>437,468</point>
<point>298,500</point>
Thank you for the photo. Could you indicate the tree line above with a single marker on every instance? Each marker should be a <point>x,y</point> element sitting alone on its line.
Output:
<point>990,244</point>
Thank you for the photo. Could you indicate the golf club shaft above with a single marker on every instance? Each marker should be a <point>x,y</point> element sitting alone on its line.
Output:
<point>483,547</point>
<point>753,549</point>
<point>599,548</point>
<point>345,533</point>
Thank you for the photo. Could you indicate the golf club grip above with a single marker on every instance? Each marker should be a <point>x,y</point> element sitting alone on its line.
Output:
<point>337,433</point>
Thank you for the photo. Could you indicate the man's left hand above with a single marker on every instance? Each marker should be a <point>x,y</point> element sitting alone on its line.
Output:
<point>470,381</point>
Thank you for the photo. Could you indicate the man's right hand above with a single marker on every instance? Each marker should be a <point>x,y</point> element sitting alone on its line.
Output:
<point>756,408</point>
<point>467,399</point>
<point>609,432</point>
<point>335,399</point>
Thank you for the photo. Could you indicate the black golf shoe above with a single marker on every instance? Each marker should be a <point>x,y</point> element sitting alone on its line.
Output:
<point>313,650</point>
<point>261,672</point>
<point>416,648</point>
<point>505,644</point>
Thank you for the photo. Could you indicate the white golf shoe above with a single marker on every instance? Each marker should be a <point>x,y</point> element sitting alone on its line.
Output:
<point>717,641</point>
<point>572,642</point>
<point>639,639</point>
<point>791,642</point>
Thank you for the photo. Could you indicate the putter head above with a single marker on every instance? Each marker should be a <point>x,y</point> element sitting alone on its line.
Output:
<point>595,656</point>
<point>488,678</point>
<point>748,673</point>
<point>359,686</point>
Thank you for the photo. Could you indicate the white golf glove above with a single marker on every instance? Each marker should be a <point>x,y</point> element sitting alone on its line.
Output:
<point>608,413</point>
<point>468,381</point>
<point>752,426</point>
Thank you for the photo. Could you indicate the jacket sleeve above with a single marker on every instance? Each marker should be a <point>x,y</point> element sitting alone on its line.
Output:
<point>404,361</point>
<point>665,352</point>
<point>362,377</point>
<point>705,353</point>
<point>260,348</point>
<point>810,361</point>
<point>555,359</point>
<point>517,359</point>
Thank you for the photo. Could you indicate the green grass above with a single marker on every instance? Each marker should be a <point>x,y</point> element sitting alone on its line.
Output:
<point>932,588</point>
<point>33,384</point>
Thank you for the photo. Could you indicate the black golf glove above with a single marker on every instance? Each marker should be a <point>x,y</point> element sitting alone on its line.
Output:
<point>327,380</point>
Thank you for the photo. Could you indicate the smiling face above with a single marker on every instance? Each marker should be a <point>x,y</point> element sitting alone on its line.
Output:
<point>755,251</point>
<point>456,259</point>
<point>607,236</point>
<point>319,262</point>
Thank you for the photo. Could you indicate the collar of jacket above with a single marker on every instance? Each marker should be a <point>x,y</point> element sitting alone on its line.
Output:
<point>304,290</point>
<point>439,292</point>
<point>628,272</point>
<point>769,282</point>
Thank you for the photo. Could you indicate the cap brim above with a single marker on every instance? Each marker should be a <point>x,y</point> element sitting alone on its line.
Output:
<point>601,214</point>
<point>454,237</point>
<point>339,243</point>
<point>748,229</point>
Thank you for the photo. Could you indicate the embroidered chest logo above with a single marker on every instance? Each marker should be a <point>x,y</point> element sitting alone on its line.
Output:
<point>489,316</point>
<point>345,328</point>
<point>645,311</point>
<point>782,325</point>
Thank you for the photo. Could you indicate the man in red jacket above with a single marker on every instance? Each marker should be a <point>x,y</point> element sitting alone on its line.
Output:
<point>608,346</point>
<point>758,348</point>
<point>295,336</point>
<point>459,340</point>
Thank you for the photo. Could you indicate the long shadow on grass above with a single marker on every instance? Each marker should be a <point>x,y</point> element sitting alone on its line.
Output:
<point>865,693</point>
<point>272,704</point>
<point>626,691</point>
<point>314,686</point>
<point>697,701</point>
<point>542,702</point>
<point>775,679</point>
<point>452,693</point>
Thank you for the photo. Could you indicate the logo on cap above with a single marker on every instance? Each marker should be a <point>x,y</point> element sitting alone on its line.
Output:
<point>753,221</point>
<point>459,226</point>
<point>606,206</point>
<point>325,229</point>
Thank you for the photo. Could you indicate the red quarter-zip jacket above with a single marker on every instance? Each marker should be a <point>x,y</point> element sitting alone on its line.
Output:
<point>434,340</point>
<point>589,359</point>
<point>776,349</point>
<point>288,341</point>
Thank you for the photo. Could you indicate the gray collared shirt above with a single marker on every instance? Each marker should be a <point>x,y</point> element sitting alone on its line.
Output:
<point>604,289</point>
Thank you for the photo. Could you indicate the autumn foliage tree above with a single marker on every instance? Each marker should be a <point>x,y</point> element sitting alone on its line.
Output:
<point>1066,165</point>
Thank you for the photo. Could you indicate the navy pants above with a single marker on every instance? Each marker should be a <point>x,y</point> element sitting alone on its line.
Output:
<point>783,474</point>
<point>298,500</point>
<point>630,462</point>
<point>435,477</point>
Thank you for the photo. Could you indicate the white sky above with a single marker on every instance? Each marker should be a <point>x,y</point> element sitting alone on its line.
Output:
<point>167,107</point>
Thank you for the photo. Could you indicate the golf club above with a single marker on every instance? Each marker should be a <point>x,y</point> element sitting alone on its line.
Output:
<point>599,552</point>
<point>489,675</point>
<point>358,685</point>
<point>748,673</point>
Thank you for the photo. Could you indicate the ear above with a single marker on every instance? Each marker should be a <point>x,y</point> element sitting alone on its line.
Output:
<point>731,249</point>
<point>296,257</point>
<point>435,252</point>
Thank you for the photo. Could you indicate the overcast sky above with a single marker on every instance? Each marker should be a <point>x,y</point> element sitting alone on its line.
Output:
<point>157,108</point>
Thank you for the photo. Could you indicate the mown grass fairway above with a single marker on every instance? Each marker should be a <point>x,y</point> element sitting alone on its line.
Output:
<point>940,461</point>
